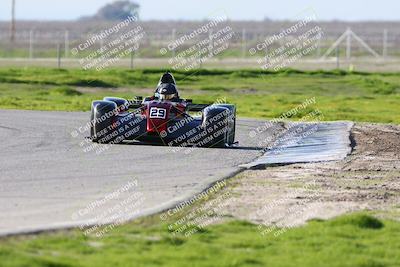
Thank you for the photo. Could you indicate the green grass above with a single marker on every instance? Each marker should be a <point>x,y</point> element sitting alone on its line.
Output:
<point>354,240</point>
<point>339,95</point>
<point>357,240</point>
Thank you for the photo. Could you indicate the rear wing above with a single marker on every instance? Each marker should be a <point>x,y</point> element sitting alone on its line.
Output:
<point>136,103</point>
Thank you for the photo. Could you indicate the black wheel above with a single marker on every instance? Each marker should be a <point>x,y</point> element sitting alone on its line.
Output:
<point>216,124</point>
<point>103,115</point>
<point>230,139</point>
<point>121,103</point>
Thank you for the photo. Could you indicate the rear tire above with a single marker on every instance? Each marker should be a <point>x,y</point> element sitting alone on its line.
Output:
<point>103,115</point>
<point>121,103</point>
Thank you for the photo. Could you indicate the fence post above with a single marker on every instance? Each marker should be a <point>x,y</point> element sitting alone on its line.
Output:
<point>173,40</point>
<point>384,48</point>
<point>337,58</point>
<point>319,48</point>
<point>58,55</point>
<point>244,45</point>
<point>12,28</point>
<point>101,43</point>
<point>31,44</point>
<point>210,39</point>
<point>348,44</point>
<point>66,37</point>
<point>132,55</point>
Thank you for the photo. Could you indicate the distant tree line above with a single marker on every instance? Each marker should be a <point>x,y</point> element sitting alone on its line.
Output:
<point>118,10</point>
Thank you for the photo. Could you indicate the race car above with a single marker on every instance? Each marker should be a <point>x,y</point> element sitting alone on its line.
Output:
<point>163,118</point>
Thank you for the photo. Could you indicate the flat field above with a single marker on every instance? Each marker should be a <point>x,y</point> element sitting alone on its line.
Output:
<point>339,95</point>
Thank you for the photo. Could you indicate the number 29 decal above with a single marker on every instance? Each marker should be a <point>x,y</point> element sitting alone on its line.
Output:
<point>158,113</point>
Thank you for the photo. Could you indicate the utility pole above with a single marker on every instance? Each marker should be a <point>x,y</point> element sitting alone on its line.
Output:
<point>12,29</point>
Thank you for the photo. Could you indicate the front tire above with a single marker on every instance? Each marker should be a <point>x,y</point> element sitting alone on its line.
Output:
<point>103,116</point>
<point>219,123</point>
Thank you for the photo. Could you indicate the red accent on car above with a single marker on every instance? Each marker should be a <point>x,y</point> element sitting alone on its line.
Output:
<point>114,123</point>
<point>157,114</point>
<point>181,109</point>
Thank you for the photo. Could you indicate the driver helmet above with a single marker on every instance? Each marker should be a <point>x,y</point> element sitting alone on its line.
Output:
<point>167,91</point>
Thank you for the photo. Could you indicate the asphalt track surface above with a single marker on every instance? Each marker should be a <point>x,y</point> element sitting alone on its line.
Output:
<point>48,181</point>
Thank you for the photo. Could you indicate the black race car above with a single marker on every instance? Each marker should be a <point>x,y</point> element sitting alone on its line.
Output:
<point>163,118</point>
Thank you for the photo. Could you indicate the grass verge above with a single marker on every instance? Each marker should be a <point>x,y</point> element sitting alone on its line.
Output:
<point>357,240</point>
<point>354,240</point>
<point>339,95</point>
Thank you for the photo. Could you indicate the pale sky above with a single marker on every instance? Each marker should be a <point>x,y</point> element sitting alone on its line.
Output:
<point>350,10</point>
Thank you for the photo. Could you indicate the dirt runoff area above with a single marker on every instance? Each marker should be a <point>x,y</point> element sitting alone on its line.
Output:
<point>288,196</point>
